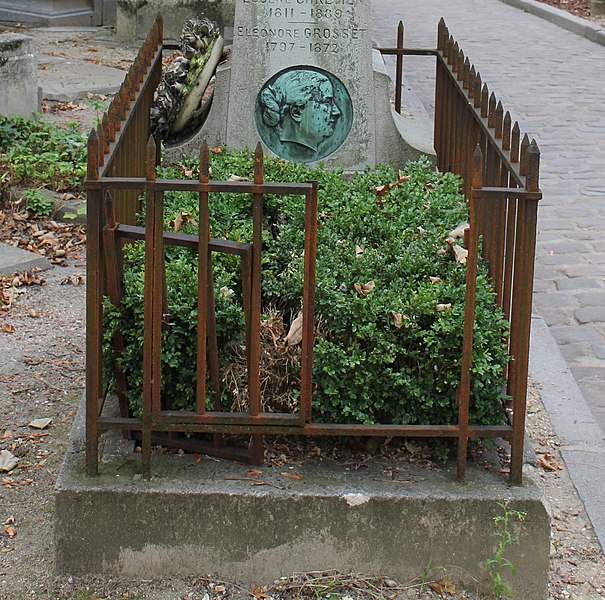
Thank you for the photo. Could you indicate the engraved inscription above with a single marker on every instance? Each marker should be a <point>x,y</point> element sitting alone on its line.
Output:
<point>316,26</point>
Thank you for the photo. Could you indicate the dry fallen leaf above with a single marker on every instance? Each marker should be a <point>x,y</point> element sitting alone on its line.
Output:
<point>460,253</point>
<point>10,531</point>
<point>364,289</point>
<point>253,472</point>
<point>292,476</point>
<point>237,178</point>
<point>217,150</point>
<point>40,423</point>
<point>549,462</point>
<point>8,328</point>
<point>433,279</point>
<point>359,250</point>
<point>7,461</point>
<point>182,218</point>
<point>443,586</point>
<point>459,231</point>
<point>295,334</point>
<point>443,307</point>
<point>398,319</point>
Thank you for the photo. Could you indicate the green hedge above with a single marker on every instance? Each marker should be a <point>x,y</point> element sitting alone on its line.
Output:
<point>389,356</point>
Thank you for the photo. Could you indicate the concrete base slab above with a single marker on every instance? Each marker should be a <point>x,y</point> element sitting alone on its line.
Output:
<point>213,517</point>
<point>15,259</point>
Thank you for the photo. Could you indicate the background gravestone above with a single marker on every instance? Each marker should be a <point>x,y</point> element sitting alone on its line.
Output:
<point>19,76</point>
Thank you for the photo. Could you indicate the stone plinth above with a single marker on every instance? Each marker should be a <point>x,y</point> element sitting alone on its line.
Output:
<point>18,73</point>
<point>207,517</point>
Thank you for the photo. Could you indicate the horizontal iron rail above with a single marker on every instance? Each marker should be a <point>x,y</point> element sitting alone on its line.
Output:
<point>185,240</point>
<point>182,185</point>
<point>490,192</point>
<point>312,429</point>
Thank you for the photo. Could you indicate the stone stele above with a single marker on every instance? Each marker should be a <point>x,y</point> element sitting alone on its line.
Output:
<point>303,78</point>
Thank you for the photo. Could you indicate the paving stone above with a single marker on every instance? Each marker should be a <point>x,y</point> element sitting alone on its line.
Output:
<point>579,353</point>
<point>599,350</point>
<point>576,283</point>
<point>576,333</point>
<point>554,300</point>
<point>589,373</point>
<point>590,314</point>
<point>585,270</point>
<point>567,247</point>
<point>591,298</point>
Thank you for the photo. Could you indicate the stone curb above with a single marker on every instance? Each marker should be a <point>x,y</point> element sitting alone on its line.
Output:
<point>583,27</point>
<point>582,443</point>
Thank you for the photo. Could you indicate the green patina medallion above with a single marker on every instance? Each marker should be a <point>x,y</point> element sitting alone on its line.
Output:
<point>303,114</point>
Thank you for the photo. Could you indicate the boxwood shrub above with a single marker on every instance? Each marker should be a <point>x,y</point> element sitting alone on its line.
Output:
<point>387,350</point>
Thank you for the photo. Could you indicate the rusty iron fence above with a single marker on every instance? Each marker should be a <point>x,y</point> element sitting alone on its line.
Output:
<point>472,138</point>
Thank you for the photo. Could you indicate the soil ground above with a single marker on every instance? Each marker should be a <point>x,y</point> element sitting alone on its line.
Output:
<point>42,377</point>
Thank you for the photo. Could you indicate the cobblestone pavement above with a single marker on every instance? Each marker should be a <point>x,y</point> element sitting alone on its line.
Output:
<point>552,81</point>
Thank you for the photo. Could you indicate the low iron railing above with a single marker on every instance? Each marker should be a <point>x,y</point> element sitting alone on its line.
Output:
<point>471,139</point>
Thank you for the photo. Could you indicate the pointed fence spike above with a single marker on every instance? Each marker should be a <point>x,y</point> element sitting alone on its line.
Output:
<point>150,156</point>
<point>491,110</point>
<point>467,74</point>
<point>484,101</point>
<point>506,132</point>
<point>259,164</point>
<point>477,91</point>
<point>532,183</point>
<point>204,162</point>
<point>92,163</point>
<point>498,120</point>
<point>441,34</point>
<point>460,69</point>
<point>514,143</point>
<point>472,79</point>
<point>477,167</point>
<point>523,155</point>
<point>160,21</point>
<point>106,133</point>
<point>101,138</point>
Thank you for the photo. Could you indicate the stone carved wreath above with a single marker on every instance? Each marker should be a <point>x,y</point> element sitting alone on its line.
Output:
<point>183,97</point>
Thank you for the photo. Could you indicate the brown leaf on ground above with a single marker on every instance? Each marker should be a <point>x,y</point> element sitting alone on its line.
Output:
<point>292,476</point>
<point>549,462</point>
<point>8,328</point>
<point>443,586</point>
<point>7,461</point>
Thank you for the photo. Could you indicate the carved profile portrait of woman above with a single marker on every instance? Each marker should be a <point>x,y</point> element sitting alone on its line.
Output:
<point>299,114</point>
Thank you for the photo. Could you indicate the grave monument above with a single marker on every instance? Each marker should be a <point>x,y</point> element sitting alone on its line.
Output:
<point>303,78</point>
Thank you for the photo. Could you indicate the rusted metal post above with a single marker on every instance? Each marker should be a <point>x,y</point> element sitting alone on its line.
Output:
<point>399,68</point>
<point>255,304</point>
<point>202,279</point>
<point>152,309</point>
<point>309,303</point>
<point>464,391</point>
<point>94,317</point>
<point>522,301</point>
